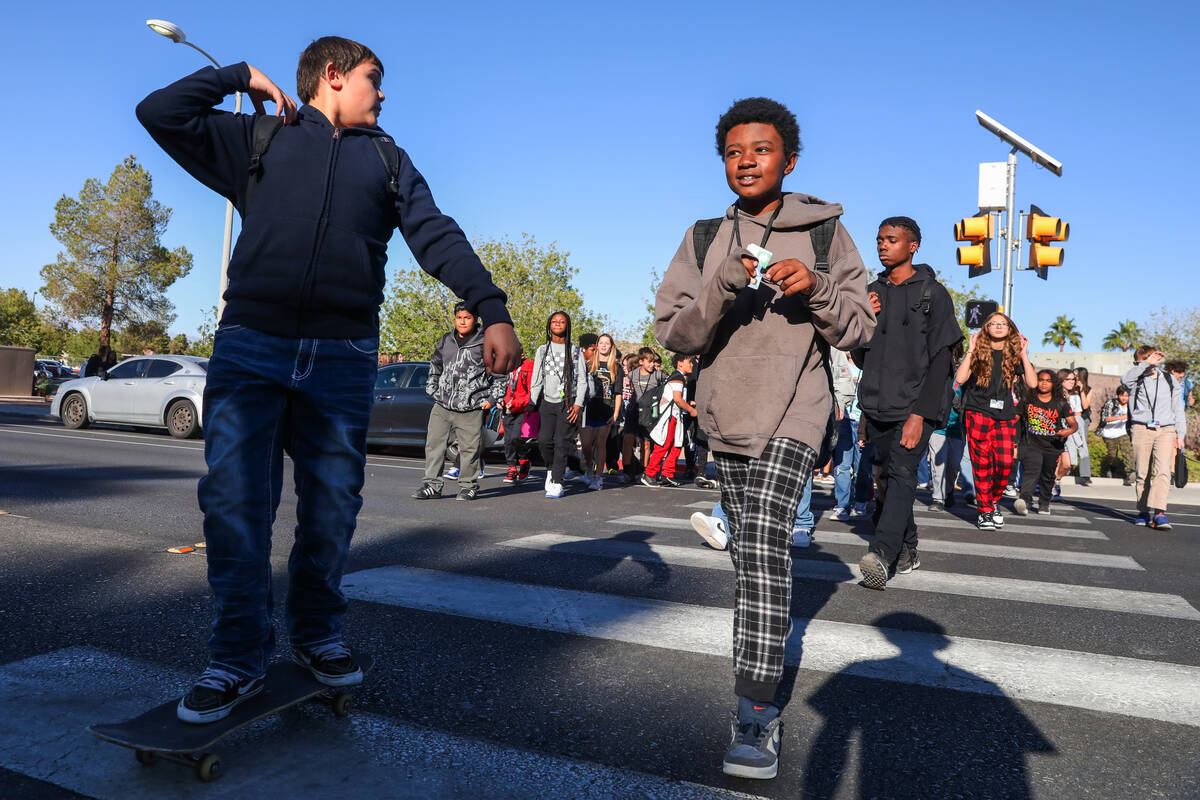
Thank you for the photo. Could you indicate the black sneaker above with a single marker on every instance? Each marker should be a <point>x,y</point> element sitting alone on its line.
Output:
<point>704,482</point>
<point>908,561</point>
<point>874,571</point>
<point>332,664</point>
<point>467,494</point>
<point>936,506</point>
<point>215,694</point>
<point>650,480</point>
<point>754,742</point>
<point>663,480</point>
<point>985,521</point>
<point>427,492</point>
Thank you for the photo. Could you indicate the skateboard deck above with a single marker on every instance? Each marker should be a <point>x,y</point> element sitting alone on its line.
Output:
<point>159,732</point>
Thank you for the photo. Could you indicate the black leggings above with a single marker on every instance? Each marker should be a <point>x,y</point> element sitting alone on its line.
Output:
<point>1037,469</point>
<point>556,438</point>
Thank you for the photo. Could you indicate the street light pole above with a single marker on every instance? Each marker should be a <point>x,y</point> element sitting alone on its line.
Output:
<point>173,32</point>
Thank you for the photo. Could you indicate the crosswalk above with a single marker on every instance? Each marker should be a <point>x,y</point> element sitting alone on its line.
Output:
<point>639,588</point>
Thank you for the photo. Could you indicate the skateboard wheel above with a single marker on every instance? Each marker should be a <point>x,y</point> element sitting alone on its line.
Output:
<point>341,704</point>
<point>208,768</point>
<point>145,757</point>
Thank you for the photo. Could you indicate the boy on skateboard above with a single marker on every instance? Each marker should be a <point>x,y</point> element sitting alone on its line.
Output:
<point>295,352</point>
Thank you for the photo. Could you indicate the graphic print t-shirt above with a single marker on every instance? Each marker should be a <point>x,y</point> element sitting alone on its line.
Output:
<point>1041,422</point>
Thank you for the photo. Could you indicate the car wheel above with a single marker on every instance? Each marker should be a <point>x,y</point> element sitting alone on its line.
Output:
<point>182,421</point>
<point>74,412</point>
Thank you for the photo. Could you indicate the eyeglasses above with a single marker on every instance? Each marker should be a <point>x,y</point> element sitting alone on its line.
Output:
<point>998,324</point>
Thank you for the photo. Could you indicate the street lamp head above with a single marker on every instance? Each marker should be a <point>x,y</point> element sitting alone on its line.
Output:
<point>167,29</point>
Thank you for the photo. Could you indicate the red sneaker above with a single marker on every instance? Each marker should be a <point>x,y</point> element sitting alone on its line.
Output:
<point>524,470</point>
<point>511,476</point>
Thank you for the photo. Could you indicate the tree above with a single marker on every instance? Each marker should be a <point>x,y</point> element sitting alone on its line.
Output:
<point>1124,337</point>
<point>20,325</point>
<point>537,279</point>
<point>114,269</point>
<point>137,336</point>
<point>1062,332</point>
<point>1177,334</point>
<point>202,345</point>
<point>178,345</point>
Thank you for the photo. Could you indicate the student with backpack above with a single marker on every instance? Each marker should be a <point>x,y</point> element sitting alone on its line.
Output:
<point>1046,421</point>
<point>762,292</point>
<point>603,406</point>
<point>516,411</point>
<point>642,381</point>
<point>1158,428</point>
<point>995,376</point>
<point>904,391</point>
<point>295,353</point>
<point>667,435</point>
<point>1113,429</point>
<point>558,391</point>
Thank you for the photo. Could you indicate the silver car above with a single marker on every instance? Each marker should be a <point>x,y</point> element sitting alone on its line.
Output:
<point>155,391</point>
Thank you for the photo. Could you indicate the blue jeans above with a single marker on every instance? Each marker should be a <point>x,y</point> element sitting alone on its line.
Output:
<point>846,460</point>
<point>804,515</point>
<point>266,395</point>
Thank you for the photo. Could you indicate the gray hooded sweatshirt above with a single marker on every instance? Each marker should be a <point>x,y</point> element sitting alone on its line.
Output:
<point>763,374</point>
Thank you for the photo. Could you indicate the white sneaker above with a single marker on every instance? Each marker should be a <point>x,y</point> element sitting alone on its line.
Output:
<point>451,473</point>
<point>801,537</point>
<point>858,511</point>
<point>711,529</point>
<point>1009,492</point>
<point>554,490</point>
<point>997,517</point>
<point>842,514</point>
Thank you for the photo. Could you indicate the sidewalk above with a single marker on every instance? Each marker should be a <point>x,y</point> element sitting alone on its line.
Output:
<point>26,408</point>
<point>1112,489</point>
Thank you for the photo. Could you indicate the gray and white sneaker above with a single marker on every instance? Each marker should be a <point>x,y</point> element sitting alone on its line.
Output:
<point>754,742</point>
<point>908,561</point>
<point>711,529</point>
<point>997,518</point>
<point>874,571</point>
<point>215,695</point>
<point>332,664</point>
<point>985,523</point>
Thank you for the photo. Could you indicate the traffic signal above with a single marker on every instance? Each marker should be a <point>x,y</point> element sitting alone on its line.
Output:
<point>979,310</point>
<point>977,230</point>
<point>1040,230</point>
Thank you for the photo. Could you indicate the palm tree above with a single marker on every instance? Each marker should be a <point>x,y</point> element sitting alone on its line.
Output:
<point>1062,332</point>
<point>1124,337</point>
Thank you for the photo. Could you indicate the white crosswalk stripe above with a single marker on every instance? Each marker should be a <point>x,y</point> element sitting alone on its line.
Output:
<point>928,545</point>
<point>1111,684</point>
<point>838,571</point>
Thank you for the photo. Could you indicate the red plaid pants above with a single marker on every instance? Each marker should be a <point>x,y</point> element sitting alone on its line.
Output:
<point>992,444</point>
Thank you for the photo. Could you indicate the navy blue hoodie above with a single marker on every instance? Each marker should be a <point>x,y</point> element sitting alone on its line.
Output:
<point>309,261</point>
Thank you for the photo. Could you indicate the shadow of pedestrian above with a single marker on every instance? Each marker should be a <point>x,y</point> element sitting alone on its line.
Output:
<point>916,740</point>
<point>635,548</point>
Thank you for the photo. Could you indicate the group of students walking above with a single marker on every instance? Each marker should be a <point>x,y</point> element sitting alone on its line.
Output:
<point>754,303</point>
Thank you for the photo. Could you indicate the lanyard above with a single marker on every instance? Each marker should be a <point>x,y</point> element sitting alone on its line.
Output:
<point>737,228</point>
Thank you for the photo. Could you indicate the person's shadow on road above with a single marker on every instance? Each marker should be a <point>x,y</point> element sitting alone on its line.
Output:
<point>919,741</point>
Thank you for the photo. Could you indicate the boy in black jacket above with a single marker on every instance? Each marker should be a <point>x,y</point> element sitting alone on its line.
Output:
<point>294,357</point>
<point>905,390</point>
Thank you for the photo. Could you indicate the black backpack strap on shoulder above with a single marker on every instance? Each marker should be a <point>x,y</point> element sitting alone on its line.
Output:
<point>703,233</point>
<point>926,297</point>
<point>389,151</point>
<point>822,238</point>
<point>264,130</point>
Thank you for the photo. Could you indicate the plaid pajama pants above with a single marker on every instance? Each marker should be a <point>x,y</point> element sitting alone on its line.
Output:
<point>992,443</point>
<point>760,497</point>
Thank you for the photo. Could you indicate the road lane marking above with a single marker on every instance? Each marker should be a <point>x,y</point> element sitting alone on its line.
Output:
<point>837,571</point>
<point>927,545</point>
<point>1108,684</point>
<point>307,752</point>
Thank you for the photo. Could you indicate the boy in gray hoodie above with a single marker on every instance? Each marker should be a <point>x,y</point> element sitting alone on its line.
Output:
<point>763,310</point>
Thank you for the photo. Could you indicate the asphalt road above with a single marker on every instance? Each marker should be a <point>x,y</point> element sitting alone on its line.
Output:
<point>528,647</point>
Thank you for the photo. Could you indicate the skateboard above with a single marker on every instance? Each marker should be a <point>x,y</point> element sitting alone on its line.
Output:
<point>159,733</point>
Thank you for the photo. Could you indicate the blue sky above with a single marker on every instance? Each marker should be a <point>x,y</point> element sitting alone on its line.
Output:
<point>591,126</point>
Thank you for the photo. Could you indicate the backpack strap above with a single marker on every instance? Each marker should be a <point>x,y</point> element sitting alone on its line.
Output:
<point>822,238</point>
<point>389,152</point>
<point>926,297</point>
<point>264,130</point>
<point>703,233</point>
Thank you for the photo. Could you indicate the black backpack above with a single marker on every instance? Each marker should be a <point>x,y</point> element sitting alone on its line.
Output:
<point>264,130</point>
<point>648,403</point>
